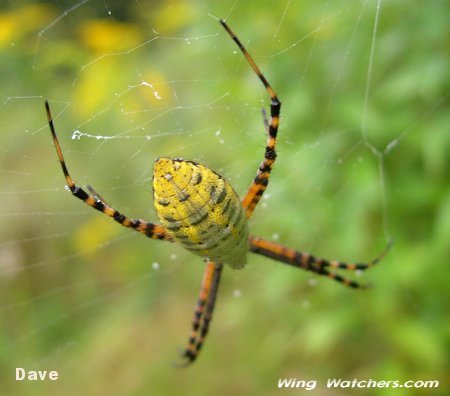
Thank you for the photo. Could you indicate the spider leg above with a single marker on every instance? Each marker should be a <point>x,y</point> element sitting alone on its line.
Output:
<point>203,310</point>
<point>95,194</point>
<point>154,231</point>
<point>308,262</point>
<point>261,180</point>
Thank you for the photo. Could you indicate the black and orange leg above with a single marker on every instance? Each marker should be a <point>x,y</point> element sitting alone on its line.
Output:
<point>308,262</point>
<point>94,200</point>
<point>261,180</point>
<point>203,310</point>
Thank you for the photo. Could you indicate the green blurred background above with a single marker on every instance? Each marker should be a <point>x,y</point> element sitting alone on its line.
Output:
<point>363,157</point>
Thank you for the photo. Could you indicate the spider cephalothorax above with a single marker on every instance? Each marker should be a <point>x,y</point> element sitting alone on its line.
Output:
<point>200,211</point>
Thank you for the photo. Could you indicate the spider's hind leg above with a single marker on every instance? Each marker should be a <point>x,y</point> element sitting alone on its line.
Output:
<point>94,200</point>
<point>96,195</point>
<point>261,180</point>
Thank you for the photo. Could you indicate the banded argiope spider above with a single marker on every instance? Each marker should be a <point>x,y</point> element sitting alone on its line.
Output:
<point>199,210</point>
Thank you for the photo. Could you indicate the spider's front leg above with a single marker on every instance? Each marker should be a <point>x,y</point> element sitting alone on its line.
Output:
<point>309,262</point>
<point>203,310</point>
<point>94,200</point>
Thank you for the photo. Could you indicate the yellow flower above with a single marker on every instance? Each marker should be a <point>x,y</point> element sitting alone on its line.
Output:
<point>104,36</point>
<point>17,23</point>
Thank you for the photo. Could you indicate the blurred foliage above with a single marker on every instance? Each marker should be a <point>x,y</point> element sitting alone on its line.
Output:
<point>108,309</point>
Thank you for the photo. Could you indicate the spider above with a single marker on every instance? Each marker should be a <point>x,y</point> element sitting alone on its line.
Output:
<point>199,210</point>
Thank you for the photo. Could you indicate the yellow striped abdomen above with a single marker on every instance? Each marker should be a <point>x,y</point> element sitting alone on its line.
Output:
<point>200,210</point>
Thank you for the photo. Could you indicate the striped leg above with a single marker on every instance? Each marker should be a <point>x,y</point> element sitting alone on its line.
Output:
<point>203,310</point>
<point>261,180</point>
<point>154,231</point>
<point>308,262</point>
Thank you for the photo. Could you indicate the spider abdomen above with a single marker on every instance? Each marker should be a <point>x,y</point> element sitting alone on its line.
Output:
<point>200,210</point>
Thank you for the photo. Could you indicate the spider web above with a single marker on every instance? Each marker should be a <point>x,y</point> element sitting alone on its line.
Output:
<point>128,83</point>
